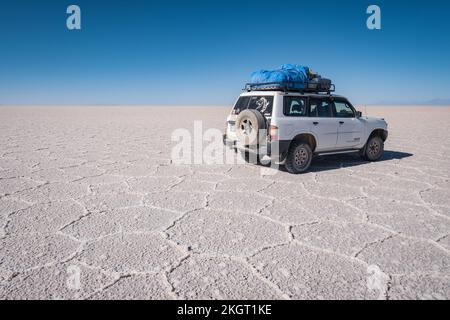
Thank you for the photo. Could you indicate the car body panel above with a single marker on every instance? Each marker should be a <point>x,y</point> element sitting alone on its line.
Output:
<point>351,133</point>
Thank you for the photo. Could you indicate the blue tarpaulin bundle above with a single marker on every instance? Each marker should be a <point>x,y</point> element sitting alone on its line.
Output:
<point>296,75</point>
<point>290,76</point>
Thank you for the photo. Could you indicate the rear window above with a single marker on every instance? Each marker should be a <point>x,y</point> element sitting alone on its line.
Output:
<point>264,104</point>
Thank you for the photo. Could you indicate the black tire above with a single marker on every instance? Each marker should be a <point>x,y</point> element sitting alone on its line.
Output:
<point>248,126</point>
<point>374,149</point>
<point>299,157</point>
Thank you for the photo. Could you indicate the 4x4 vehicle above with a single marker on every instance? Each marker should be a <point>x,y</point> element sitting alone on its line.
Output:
<point>291,127</point>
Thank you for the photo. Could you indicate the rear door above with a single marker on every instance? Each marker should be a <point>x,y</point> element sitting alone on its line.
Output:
<point>351,128</point>
<point>324,124</point>
<point>262,103</point>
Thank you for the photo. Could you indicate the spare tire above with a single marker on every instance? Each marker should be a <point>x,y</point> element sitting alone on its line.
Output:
<point>248,126</point>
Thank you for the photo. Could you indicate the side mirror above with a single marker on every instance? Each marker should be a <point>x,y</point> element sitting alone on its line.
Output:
<point>358,114</point>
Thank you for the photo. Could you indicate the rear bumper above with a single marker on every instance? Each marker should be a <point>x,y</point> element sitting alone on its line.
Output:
<point>277,150</point>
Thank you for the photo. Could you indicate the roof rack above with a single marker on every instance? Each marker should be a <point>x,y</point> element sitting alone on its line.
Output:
<point>309,87</point>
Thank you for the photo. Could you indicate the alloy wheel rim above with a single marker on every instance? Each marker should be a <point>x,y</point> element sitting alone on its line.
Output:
<point>246,127</point>
<point>374,148</point>
<point>301,157</point>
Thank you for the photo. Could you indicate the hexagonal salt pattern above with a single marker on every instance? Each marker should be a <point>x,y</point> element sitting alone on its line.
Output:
<point>92,207</point>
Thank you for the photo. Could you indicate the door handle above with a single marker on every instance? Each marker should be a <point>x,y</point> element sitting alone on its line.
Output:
<point>315,123</point>
<point>341,122</point>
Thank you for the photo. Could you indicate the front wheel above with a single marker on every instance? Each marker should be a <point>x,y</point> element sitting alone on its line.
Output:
<point>374,149</point>
<point>299,158</point>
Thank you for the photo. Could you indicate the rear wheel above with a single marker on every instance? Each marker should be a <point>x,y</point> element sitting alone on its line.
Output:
<point>374,149</point>
<point>299,158</point>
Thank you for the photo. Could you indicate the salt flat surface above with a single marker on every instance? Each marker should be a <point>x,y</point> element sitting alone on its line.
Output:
<point>91,194</point>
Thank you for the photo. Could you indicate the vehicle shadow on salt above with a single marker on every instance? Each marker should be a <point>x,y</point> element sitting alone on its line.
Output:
<point>333,162</point>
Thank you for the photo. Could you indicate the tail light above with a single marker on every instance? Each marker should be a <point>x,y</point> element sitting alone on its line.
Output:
<point>273,133</point>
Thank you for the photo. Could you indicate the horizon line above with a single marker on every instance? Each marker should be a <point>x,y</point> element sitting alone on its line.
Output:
<point>210,106</point>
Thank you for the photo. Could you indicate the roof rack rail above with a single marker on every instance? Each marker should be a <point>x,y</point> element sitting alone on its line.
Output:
<point>309,87</point>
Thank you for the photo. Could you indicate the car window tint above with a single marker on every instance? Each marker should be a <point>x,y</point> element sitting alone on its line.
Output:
<point>324,109</point>
<point>263,104</point>
<point>313,103</point>
<point>343,110</point>
<point>320,108</point>
<point>295,106</point>
<point>241,104</point>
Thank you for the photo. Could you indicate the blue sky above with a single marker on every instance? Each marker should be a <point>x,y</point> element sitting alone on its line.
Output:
<point>202,52</point>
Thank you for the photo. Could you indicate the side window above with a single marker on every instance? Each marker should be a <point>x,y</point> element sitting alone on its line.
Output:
<point>343,110</point>
<point>241,104</point>
<point>263,104</point>
<point>320,108</point>
<point>295,106</point>
<point>313,103</point>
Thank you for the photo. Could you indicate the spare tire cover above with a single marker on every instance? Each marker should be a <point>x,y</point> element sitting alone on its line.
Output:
<point>248,126</point>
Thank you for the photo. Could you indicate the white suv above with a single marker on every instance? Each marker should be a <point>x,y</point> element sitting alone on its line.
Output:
<point>291,127</point>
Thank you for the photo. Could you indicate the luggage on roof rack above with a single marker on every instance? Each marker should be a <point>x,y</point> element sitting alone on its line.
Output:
<point>310,87</point>
<point>290,78</point>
